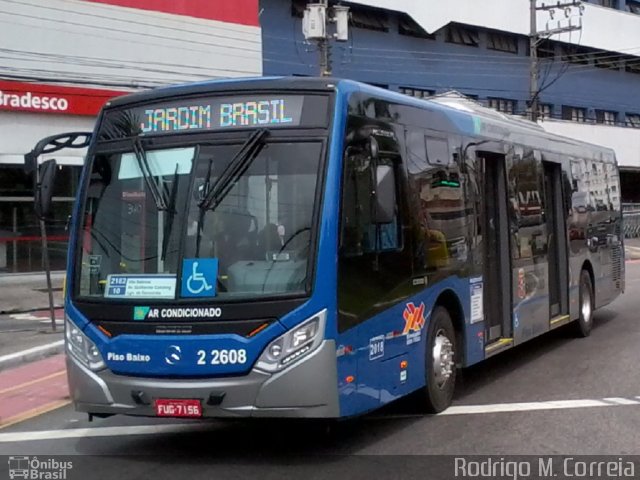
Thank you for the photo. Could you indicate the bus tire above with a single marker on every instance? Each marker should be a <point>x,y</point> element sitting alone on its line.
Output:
<point>584,324</point>
<point>440,361</point>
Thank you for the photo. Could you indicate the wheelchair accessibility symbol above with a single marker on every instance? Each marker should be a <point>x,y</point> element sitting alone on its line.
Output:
<point>199,277</point>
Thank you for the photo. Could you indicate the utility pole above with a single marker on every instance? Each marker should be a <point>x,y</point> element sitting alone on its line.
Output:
<point>324,46</point>
<point>533,54</point>
<point>315,26</point>
<point>537,36</point>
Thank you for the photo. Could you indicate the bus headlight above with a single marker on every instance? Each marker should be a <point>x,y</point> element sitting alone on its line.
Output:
<point>83,349</point>
<point>294,344</point>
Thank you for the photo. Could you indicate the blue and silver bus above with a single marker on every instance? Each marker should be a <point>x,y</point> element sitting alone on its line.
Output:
<point>316,247</point>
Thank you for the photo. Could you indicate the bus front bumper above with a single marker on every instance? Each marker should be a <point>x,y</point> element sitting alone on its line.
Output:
<point>308,389</point>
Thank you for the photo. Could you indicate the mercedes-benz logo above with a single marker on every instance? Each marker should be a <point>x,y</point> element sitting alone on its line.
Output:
<point>173,355</point>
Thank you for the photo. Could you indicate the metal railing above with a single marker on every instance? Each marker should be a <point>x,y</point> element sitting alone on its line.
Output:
<point>631,220</point>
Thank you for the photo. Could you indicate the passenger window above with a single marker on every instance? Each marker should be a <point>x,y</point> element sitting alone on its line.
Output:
<point>416,151</point>
<point>528,209</point>
<point>437,151</point>
<point>613,187</point>
<point>441,213</point>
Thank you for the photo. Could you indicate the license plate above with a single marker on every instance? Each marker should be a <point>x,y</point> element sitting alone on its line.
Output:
<point>170,407</point>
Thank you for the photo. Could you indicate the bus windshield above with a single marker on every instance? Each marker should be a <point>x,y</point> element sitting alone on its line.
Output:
<point>245,218</point>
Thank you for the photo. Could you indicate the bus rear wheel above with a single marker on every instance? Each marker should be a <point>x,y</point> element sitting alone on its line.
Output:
<point>582,328</point>
<point>440,361</point>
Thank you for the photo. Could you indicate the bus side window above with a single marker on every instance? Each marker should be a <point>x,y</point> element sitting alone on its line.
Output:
<point>362,232</point>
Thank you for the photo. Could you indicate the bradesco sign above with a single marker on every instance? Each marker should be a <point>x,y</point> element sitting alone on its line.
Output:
<point>35,97</point>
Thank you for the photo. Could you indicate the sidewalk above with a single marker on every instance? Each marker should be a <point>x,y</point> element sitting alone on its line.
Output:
<point>28,292</point>
<point>26,337</point>
<point>26,333</point>
<point>632,248</point>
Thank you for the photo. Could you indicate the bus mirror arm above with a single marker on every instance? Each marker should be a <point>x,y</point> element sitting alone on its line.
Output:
<point>44,174</point>
<point>54,143</point>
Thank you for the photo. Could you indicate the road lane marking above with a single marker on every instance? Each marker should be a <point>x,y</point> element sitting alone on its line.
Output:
<point>29,351</point>
<point>622,401</point>
<point>203,426</point>
<point>32,382</point>
<point>534,406</point>
<point>101,432</point>
<point>34,412</point>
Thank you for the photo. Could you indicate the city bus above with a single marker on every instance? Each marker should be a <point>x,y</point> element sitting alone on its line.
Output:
<point>318,247</point>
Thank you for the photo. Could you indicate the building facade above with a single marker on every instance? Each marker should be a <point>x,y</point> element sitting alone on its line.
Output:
<point>62,60</point>
<point>589,78</point>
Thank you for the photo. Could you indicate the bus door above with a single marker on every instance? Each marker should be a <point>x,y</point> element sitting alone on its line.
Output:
<point>557,240</point>
<point>497,286</point>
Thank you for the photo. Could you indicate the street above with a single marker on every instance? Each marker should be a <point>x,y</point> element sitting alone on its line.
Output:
<point>554,395</point>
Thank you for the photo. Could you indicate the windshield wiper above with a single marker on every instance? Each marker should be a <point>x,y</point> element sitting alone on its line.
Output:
<point>236,168</point>
<point>171,207</point>
<point>205,191</point>
<point>150,180</point>
<point>171,211</point>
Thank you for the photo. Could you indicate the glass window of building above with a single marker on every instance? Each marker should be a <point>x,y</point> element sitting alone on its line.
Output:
<point>503,105</point>
<point>575,114</point>
<point>502,42</point>
<point>632,120</point>
<point>20,238</point>
<point>407,26</point>
<point>417,92</point>
<point>575,54</point>
<point>606,117</point>
<point>368,19</point>
<point>463,36</point>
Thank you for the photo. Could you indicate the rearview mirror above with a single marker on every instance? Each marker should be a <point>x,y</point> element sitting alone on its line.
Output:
<point>374,149</point>
<point>385,198</point>
<point>44,189</point>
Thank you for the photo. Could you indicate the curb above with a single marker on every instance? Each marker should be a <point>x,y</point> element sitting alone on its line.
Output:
<point>11,310</point>
<point>31,354</point>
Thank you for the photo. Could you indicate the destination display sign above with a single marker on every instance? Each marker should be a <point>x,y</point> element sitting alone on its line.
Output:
<point>217,113</point>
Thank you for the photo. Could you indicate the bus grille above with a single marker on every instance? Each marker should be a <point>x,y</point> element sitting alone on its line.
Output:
<point>616,261</point>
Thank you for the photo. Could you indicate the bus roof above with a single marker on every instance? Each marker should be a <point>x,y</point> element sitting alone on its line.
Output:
<point>474,120</point>
<point>469,117</point>
<point>228,85</point>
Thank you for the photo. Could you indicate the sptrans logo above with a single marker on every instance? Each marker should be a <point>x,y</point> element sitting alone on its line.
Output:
<point>413,322</point>
<point>33,468</point>
<point>33,101</point>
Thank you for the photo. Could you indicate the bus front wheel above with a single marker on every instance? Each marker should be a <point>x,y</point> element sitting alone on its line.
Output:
<point>582,327</point>
<point>440,361</point>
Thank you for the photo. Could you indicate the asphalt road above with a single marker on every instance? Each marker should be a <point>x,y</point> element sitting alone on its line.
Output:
<point>571,396</point>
